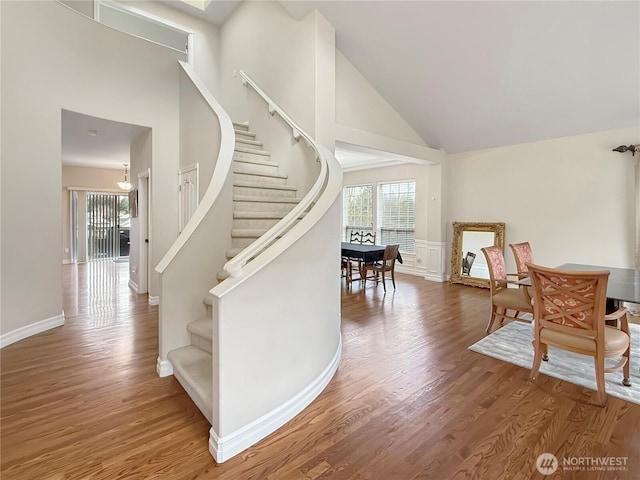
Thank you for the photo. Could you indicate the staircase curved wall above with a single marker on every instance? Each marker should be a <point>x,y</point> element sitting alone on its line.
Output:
<point>277,327</point>
<point>190,265</point>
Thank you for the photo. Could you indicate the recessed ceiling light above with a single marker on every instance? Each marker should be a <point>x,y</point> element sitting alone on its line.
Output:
<point>93,133</point>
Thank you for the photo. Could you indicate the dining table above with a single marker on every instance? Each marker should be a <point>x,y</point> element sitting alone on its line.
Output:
<point>365,252</point>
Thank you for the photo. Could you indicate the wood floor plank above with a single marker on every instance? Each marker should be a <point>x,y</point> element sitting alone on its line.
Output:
<point>409,400</point>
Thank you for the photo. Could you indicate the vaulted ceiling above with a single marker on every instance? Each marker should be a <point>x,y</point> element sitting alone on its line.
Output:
<point>473,75</point>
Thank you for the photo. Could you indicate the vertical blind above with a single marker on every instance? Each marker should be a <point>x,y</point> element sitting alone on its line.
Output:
<point>105,212</point>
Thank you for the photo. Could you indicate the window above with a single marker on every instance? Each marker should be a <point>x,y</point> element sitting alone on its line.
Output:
<point>144,25</point>
<point>358,209</point>
<point>397,214</point>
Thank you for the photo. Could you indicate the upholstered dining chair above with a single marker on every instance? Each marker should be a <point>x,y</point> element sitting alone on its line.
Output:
<point>522,256</point>
<point>569,313</point>
<point>387,264</point>
<point>504,299</point>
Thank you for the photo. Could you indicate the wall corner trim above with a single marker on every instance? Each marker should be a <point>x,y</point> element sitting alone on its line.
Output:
<point>154,300</point>
<point>31,329</point>
<point>164,367</point>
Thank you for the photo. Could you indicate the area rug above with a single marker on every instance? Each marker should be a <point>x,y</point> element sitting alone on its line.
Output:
<point>512,344</point>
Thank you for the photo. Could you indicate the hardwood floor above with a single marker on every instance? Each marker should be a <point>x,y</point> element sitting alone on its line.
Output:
<point>409,401</point>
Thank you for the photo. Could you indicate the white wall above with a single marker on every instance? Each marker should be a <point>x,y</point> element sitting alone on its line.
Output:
<point>412,263</point>
<point>206,39</point>
<point>360,105</point>
<point>572,198</point>
<point>277,52</point>
<point>66,61</point>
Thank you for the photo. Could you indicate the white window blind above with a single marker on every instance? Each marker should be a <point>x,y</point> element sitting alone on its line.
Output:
<point>397,214</point>
<point>358,209</point>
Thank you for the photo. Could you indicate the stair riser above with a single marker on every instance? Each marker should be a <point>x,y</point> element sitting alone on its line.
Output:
<point>240,126</point>
<point>254,223</point>
<point>201,342</point>
<point>242,242</point>
<point>246,166</point>
<point>263,192</point>
<point>242,142</point>
<point>250,156</point>
<point>263,207</point>
<point>262,179</point>
<point>240,133</point>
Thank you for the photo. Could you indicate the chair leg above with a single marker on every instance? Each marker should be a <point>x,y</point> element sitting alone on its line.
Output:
<point>491,319</point>
<point>535,368</point>
<point>602,394</point>
<point>545,352</point>
<point>627,368</point>
<point>393,277</point>
<point>384,285</point>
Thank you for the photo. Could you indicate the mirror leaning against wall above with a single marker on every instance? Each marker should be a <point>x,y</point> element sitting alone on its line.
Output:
<point>468,265</point>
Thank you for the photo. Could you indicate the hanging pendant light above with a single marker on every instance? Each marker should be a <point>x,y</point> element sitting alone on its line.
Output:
<point>125,185</point>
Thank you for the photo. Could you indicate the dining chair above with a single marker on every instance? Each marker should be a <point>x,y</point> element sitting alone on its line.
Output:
<point>522,255</point>
<point>355,237</point>
<point>387,264</point>
<point>569,313</point>
<point>504,299</point>
<point>368,237</point>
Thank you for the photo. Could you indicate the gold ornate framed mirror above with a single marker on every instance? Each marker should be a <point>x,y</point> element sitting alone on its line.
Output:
<point>468,265</point>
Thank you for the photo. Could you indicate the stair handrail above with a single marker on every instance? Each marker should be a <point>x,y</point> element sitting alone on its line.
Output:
<point>235,265</point>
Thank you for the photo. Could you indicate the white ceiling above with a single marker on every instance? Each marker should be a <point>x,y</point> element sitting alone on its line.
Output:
<point>464,75</point>
<point>108,148</point>
<point>473,75</point>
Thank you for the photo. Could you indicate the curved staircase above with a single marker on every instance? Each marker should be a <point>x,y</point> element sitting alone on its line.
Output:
<point>261,198</point>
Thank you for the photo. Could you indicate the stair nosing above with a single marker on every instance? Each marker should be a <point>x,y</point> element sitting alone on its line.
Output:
<point>281,176</point>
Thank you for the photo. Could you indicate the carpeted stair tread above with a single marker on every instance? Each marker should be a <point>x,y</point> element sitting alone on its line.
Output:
<point>253,151</point>
<point>256,161</point>
<point>267,186</point>
<point>248,232</point>
<point>203,328</point>
<point>242,171</point>
<point>244,126</point>
<point>259,215</point>
<point>259,199</point>
<point>193,368</point>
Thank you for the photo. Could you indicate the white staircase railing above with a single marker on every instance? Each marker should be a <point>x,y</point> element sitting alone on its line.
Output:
<point>235,265</point>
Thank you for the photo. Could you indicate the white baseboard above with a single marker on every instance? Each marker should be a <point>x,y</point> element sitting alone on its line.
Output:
<point>164,367</point>
<point>153,300</point>
<point>410,270</point>
<point>67,261</point>
<point>435,278</point>
<point>31,329</point>
<point>133,285</point>
<point>230,445</point>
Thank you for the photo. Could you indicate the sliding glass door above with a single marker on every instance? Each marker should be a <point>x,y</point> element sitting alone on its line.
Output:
<point>107,226</point>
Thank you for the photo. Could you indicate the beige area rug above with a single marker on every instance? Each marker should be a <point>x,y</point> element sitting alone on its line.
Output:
<point>512,344</point>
